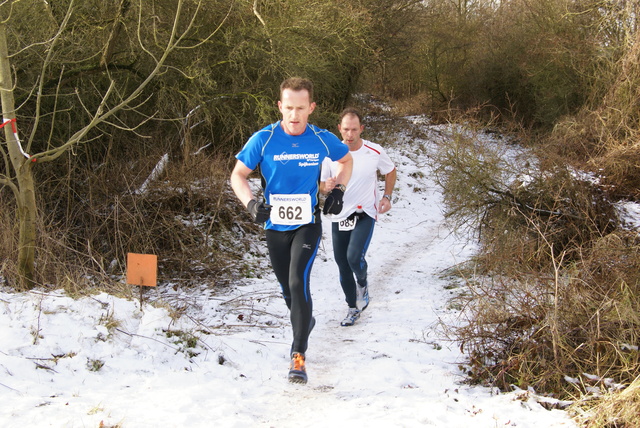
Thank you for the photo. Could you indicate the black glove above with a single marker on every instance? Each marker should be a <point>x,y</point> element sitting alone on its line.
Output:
<point>333,203</point>
<point>259,211</point>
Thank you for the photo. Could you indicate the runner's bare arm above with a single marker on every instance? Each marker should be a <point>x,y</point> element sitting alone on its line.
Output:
<point>240,183</point>
<point>389,184</point>
<point>343,173</point>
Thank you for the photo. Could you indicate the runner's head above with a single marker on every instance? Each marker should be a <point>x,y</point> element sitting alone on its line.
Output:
<point>296,104</point>
<point>351,127</point>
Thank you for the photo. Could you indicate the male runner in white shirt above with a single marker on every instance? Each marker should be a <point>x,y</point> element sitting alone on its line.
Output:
<point>353,227</point>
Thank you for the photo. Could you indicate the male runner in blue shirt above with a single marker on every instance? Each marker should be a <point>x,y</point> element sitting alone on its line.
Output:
<point>290,154</point>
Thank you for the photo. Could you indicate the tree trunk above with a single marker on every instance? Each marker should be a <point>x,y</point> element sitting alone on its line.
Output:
<point>26,196</point>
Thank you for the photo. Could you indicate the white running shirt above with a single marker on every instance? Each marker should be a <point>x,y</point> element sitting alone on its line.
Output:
<point>362,188</point>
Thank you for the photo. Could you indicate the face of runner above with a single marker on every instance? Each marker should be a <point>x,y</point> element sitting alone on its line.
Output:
<point>295,107</point>
<point>350,129</point>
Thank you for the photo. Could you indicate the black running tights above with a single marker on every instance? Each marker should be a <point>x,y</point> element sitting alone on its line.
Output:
<point>292,254</point>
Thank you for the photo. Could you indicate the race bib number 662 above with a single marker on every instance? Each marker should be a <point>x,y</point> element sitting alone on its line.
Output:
<point>291,209</point>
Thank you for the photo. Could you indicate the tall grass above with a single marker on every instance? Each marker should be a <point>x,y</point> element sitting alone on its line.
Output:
<point>616,409</point>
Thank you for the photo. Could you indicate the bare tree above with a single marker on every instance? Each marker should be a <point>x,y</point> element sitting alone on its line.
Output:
<point>19,161</point>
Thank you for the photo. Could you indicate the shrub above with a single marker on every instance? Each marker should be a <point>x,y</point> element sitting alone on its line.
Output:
<point>188,217</point>
<point>557,291</point>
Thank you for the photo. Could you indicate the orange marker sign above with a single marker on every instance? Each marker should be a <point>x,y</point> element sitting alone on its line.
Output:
<point>142,269</point>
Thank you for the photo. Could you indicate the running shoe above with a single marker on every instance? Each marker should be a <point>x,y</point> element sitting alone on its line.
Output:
<point>362,296</point>
<point>297,371</point>
<point>351,317</point>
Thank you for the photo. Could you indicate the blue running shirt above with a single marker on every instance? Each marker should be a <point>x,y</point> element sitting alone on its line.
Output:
<point>290,164</point>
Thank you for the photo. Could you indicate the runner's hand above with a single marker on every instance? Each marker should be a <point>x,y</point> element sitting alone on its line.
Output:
<point>333,203</point>
<point>329,184</point>
<point>259,211</point>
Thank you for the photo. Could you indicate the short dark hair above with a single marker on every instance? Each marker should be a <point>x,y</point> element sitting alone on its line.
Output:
<point>297,84</point>
<point>351,111</point>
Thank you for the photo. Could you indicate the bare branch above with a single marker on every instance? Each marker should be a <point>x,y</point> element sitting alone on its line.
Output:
<point>45,66</point>
<point>98,117</point>
<point>213,33</point>
<point>10,10</point>
<point>102,112</point>
<point>7,181</point>
<point>115,32</point>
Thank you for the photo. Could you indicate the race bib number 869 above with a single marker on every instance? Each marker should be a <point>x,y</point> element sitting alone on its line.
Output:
<point>291,209</point>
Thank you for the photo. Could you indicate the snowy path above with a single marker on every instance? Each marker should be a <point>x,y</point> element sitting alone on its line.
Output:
<point>392,356</point>
<point>103,362</point>
<point>393,368</point>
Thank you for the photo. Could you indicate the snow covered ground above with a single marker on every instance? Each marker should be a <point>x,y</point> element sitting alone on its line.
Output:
<point>197,358</point>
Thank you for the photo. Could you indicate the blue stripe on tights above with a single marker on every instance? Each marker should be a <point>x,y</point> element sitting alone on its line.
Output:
<point>307,270</point>
<point>366,244</point>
